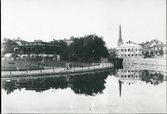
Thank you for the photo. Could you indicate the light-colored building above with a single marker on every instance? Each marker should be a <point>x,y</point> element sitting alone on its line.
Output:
<point>129,50</point>
<point>36,47</point>
<point>155,47</point>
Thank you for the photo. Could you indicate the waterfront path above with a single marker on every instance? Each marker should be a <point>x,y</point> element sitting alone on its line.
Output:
<point>52,71</point>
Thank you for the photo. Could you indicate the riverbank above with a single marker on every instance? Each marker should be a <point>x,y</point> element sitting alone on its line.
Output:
<point>145,61</point>
<point>57,71</point>
<point>22,65</point>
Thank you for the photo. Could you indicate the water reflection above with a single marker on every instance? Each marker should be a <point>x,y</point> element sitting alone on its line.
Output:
<point>108,91</point>
<point>88,84</point>
<point>130,76</point>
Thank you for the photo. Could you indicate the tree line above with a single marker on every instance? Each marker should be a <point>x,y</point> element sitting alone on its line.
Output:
<point>89,48</point>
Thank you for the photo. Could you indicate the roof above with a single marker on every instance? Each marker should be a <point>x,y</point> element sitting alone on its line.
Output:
<point>35,45</point>
<point>128,45</point>
<point>151,43</point>
<point>19,40</point>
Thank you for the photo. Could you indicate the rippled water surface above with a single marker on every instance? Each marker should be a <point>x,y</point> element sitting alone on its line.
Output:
<point>127,90</point>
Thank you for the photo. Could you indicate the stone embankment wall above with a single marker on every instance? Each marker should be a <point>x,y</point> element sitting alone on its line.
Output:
<point>145,61</point>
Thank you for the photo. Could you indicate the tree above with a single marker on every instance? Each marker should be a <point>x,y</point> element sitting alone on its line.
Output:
<point>113,54</point>
<point>161,52</point>
<point>8,45</point>
<point>62,50</point>
<point>152,54</point>
<point>146,54</point>
<point>87,49</point>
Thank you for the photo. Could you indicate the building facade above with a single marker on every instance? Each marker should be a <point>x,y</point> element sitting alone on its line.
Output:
<point>36,47</point>
<point>154,47</point>
<point>129,50</point>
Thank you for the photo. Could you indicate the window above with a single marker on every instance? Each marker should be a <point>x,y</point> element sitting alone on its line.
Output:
<point>121,54</point>
<point>128,76</point>
<point>121,49</point>
<point>125,50</point>
<point>140,49</point>
<point>125,54</point>
<point>128,54</point>
<point>136,49</point>
<point>121,75</point>
<point>136,54</point>
<point>125,76</point>
<point>132,54</point>
<point>132,49</point>
<point>128,49</point>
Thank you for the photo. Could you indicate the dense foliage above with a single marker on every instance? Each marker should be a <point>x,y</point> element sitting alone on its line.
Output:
<point>63,48</point>
<point>89,48</point>
<point>7,45</point>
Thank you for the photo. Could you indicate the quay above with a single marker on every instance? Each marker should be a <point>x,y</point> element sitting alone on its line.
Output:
<point>145,61</point>
<point>59,71</point>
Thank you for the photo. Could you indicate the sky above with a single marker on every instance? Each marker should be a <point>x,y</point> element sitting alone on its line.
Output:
<point>140,20</point>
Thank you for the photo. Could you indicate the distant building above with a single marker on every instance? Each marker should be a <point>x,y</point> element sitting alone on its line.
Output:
<point>154,46</point>
<point>129,50</point>
<point>36,47</point>
<point>68,41</point>
<point>19,41</point>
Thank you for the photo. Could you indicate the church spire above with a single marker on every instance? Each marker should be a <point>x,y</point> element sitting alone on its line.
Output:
<point>120,36</point>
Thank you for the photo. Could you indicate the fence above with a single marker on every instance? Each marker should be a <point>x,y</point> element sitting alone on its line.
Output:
<point>66,68</point>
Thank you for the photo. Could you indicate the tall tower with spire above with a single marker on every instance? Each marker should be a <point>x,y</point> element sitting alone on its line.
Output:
<point>120,41</point>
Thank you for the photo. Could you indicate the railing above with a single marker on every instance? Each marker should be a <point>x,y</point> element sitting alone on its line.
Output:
<point>58,70</point>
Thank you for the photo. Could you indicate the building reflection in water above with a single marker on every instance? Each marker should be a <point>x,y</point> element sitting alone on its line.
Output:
<point>130,74</point>
<point>88,84</point>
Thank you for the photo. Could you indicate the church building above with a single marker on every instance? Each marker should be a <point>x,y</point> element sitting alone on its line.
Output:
<point>129,49</point>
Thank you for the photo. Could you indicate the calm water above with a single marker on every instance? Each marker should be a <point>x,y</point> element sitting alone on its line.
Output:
<point>127,90</point>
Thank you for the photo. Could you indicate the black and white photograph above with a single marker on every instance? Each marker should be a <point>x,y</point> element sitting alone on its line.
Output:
<point>83,56</point>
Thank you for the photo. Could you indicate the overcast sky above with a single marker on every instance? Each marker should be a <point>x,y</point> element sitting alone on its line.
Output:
<point>141,20</point>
